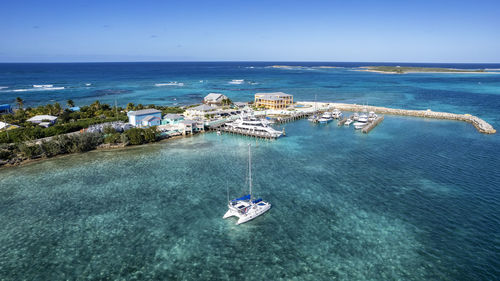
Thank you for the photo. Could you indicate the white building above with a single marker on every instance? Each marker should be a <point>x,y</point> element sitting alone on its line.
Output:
<point>43,120</point>
<point>214,99</point>
<point>200,111</point>
<point>145,117</point>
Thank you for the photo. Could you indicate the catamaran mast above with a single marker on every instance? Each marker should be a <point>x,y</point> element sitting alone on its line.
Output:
<point>250,170</point>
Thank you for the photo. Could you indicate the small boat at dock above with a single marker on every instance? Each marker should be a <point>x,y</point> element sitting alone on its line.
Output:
<point>348,122</point>
<point>325,118</point>
<point>337,114</point>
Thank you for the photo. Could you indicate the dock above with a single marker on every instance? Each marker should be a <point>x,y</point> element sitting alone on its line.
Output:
<point>342,122</point>
<point>289,118</point>
<point>372,124</point>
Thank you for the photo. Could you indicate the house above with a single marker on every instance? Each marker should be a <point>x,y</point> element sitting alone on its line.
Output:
<point>135,118</point>
<point>5,109</point>
<point>200,111</point>
<point>7,126</point>
<point>214,99</point>
<point>239,104</point>
<point>190,126</point>
<point>150,120</point>
<point>172,119</point>
<point>43,120</point>
<point>277,100</point>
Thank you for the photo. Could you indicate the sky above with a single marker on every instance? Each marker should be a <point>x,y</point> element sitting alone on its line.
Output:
<point>251,30</point>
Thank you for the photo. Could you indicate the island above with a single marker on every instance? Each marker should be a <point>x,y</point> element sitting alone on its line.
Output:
<point>416,69</point>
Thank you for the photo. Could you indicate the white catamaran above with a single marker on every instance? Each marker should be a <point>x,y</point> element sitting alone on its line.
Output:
<point>245,208</point>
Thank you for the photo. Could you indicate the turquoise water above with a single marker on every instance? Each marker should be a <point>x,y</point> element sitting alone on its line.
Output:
<point>415,199</point>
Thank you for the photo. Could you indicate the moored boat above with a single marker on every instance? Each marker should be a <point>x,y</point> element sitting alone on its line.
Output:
<point>246,208</point>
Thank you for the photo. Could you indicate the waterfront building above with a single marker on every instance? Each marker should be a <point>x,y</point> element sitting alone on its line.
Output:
<point>191,126</point>
<point>150,116</point>
<point>214,99</point>
<point>172,119</point>
<point>200,111</point>
<point>277,100</point>
<point>43,120</point>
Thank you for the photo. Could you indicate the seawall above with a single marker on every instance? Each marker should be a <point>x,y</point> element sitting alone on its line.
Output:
<point>481,125</point>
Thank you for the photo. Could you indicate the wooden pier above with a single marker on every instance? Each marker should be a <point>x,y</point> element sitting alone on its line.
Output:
<point>372,124</point>
<point>290,118</point>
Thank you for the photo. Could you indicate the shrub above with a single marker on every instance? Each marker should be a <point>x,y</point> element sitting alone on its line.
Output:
<point>150,134</point>
<point>30,151</point>
<point>112,138</point>
<point>85,142</point>
<point>52,148</point>
<point>6,154</point>
<point>135,136</point>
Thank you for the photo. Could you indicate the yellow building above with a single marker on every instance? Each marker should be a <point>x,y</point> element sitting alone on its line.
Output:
<point>276,100</point>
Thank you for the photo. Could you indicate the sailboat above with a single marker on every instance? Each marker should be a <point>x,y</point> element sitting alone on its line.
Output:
<point>314,118</point>
<point>245,207</point>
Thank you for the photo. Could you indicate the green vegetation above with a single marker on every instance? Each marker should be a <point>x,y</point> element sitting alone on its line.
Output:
<point>226,101</point>
<point>68,121</point>
<point>17,145</point>
<point>58,145</point>
<point>407,69</point>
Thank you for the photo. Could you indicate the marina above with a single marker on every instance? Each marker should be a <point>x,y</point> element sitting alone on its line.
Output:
<point>402,202</point>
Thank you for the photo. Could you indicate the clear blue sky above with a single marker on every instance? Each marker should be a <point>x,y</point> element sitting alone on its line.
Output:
<point>208,30</point>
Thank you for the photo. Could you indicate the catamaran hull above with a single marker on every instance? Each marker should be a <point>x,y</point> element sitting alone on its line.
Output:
<point>250,215</point>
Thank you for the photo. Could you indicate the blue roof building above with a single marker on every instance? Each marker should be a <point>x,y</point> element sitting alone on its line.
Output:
<point>5,108</point>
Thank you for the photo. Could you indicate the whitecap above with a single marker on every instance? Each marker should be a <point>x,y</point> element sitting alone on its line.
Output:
<point>236,81</point>
<point>39,89</point>
<point>43,86</point>
<point>88,84</point>
<point>3,87</point>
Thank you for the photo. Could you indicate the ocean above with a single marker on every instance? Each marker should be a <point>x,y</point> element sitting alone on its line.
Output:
<point>415,199</point>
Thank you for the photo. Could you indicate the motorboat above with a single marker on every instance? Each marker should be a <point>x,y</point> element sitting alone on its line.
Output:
<point>372,116</point>
<point>359,125</point>
<point>246,208</point>
<point>325,118</point>
<point>355,116</point>
<point>337,114</point>
<point>348,122</point>
<point>254,125</point>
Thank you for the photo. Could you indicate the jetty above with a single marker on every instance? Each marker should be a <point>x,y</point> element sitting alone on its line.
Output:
<point>342,122</point>
<point>372,124</point>
<point>481,125</point>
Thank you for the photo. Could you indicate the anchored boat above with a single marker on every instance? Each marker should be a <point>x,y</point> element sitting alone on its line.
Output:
<point>245,207</point>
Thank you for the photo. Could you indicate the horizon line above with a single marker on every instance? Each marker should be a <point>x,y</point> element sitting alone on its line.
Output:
<point>240,61</point>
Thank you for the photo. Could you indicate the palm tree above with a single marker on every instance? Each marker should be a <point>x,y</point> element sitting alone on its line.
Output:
<point>96,105</point>
<point>70,103</point>
<point>20,102</point>
<point>130,106</point>
<point>57,108</point>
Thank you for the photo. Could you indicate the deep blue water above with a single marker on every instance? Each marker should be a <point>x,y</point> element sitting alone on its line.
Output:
<point>415,199</point>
